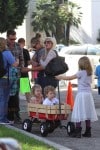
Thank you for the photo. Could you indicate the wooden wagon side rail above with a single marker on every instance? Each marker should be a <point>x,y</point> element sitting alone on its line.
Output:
<point>48,112</point>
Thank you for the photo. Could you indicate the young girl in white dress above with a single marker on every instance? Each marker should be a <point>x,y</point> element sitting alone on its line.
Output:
<point>84,108</point>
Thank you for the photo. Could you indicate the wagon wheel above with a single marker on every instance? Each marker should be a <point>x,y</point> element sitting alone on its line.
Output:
<point>70,128</point>
<point>51,126</point>
<point>44,129</point>
<point>27,125</point>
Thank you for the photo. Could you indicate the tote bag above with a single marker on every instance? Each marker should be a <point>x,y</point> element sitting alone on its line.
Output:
<point>56,66</point>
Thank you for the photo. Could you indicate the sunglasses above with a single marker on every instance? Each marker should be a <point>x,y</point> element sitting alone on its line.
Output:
<point>47,42</point>
<point>12,39</point>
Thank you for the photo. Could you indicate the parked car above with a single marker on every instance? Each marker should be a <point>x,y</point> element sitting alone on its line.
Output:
<point>73,53</point>
<point>59,47</point>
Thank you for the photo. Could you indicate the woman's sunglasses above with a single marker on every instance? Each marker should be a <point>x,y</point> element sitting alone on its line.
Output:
<point>47,42</point>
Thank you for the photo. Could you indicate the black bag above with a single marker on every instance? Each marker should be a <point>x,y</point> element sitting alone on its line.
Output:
<point>3,71</point>
<point>56,66</point>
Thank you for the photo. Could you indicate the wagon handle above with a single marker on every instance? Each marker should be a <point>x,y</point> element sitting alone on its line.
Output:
<point>59,100</point>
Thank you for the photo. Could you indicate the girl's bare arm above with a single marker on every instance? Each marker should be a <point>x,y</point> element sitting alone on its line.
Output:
<point>62,77</point>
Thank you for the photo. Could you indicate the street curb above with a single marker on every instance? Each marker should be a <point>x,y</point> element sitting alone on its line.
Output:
<point>57,146</point>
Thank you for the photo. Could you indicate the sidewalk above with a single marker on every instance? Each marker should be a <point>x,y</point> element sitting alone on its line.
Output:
<point>59,136</point>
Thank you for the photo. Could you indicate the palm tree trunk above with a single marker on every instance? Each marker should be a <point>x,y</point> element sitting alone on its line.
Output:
<point>68,33</point>
<point>47,33</point>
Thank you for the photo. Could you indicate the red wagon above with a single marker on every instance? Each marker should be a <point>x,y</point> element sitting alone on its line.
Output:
<point>49,117</point>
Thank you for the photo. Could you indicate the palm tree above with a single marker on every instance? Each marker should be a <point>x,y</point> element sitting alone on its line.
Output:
<point>52,18</point>
<point>73,18</point>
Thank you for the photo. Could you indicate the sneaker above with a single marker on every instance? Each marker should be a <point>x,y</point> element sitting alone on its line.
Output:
<point>11,122</point>
<point>5,122</point>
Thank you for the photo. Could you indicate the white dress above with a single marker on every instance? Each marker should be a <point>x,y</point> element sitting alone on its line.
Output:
<point>84,108</point>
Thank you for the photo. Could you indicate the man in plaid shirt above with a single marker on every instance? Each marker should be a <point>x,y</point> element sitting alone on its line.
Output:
<point>18,54</point>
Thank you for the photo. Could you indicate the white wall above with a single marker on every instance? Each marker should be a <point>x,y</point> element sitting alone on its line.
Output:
<point>90,22</point>
<point>95,18</point>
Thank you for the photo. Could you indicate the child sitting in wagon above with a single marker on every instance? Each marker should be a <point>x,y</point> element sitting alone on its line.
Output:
<point>50,96</point>
<point>37,94</point>
<point>37,98</point>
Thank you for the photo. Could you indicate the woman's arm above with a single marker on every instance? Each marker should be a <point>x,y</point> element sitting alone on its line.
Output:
<point>37,68</point>
<point>49,57</point>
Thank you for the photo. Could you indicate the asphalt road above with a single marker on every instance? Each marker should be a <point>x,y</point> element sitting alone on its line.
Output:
<point>60,135</point>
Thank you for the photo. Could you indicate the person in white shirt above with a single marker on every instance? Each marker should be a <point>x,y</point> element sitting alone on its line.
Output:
<point>50,96</point>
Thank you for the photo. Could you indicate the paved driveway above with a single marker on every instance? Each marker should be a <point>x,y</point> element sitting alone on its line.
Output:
<point>60,134</point>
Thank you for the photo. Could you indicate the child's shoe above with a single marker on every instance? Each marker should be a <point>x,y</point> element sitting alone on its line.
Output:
<point>87,132</point>
<point>77,133</point>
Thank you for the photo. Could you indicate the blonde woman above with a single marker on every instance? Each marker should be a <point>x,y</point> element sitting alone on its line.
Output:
<point>43,79</point>
<point>84,109</point>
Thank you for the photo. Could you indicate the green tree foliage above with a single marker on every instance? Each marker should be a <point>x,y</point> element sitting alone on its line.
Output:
<point>53,16</point>
<point>12,13</point>
<point>45,18</point>
<point>71,14</point>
